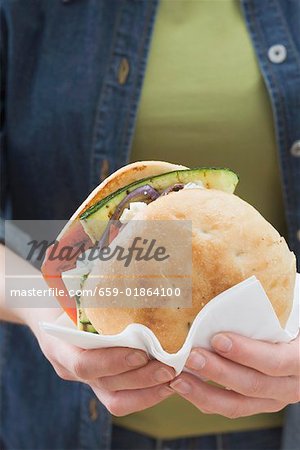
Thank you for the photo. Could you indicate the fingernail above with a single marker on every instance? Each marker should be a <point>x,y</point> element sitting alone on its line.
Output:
<point>136,359</point>
<point>161,375</point>
<point>181,386</point>
<point>165,391</point>
<point>196,360</point>
<point>222,343</point>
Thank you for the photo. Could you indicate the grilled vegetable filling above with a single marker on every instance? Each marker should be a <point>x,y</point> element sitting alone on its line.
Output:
<point>103,221</point>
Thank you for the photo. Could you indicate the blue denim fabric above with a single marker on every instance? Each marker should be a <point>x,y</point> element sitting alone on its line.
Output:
<point>268,439</point>
<point>67,121</point>
<point>39,411</point>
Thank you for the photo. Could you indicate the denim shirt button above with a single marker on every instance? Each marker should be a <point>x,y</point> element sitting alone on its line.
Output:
<point>277,53</point>
<point>295,149</point>
<point>93,409</point>
<point>298,235</point>
<point>123,71</point>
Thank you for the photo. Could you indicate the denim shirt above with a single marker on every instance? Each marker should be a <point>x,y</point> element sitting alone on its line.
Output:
<point>71,82</point>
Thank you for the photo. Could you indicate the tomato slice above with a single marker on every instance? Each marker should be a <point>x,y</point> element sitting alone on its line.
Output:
<point>53,265</point>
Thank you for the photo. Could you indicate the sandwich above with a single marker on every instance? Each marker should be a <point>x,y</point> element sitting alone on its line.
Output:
<point>230,241</point>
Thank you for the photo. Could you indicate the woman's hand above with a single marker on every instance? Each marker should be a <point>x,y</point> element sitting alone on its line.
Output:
<point>124,379</point>
<point>258,376</point>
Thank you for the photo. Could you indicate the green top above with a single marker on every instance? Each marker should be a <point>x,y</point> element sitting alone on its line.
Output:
<point>204,103</point>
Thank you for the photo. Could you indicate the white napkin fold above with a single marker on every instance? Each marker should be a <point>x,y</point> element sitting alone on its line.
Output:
<point>244,309</point>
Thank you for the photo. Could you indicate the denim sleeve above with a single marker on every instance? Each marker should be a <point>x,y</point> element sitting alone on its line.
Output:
<point>3,147</point>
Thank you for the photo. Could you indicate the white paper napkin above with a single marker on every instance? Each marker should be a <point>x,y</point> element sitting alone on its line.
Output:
<point>244,309</point>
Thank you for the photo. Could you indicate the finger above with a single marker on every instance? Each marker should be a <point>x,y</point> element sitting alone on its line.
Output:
<point>152,374</point>
<point>241,379</point>
<point>214,400</point>
<point>121,403</point>
<point>271,359</point>
<point>92,364</point>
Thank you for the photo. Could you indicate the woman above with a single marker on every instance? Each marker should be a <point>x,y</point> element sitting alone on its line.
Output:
<point>80,101</point>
